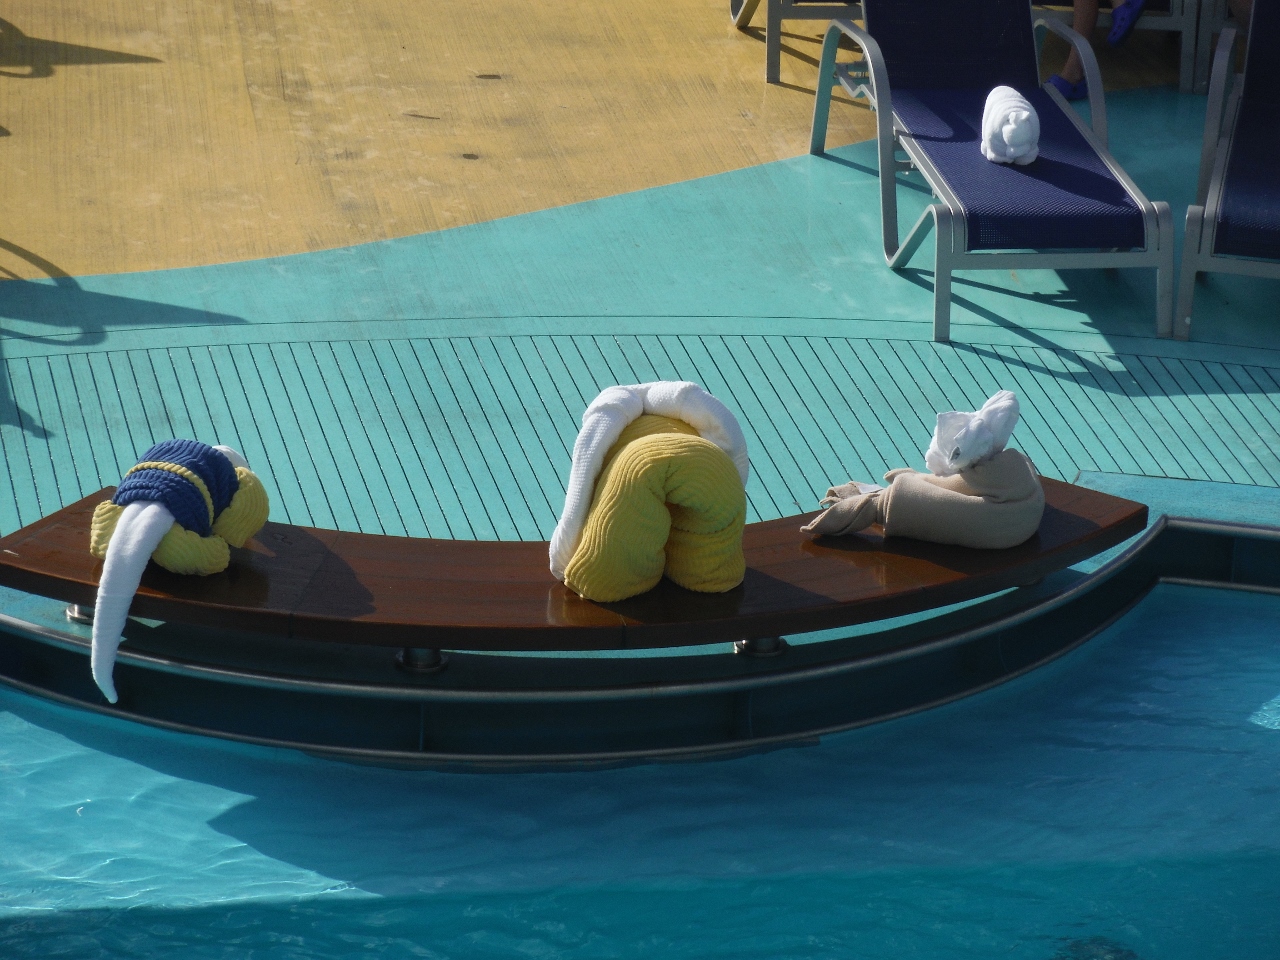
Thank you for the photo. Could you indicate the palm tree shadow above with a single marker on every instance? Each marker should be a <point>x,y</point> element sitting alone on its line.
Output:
<point>73,316</point>
<point>37,57</point>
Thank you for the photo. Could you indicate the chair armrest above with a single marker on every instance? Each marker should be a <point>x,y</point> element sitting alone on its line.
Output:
<point>879,75</point>
<point>1092,75</point>
<point>1223,67</point>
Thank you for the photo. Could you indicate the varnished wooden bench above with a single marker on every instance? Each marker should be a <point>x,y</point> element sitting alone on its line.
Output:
<point>326,585</point>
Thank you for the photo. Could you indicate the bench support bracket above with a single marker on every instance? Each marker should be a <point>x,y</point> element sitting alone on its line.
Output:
<point>421,660</point>
<point>760,647</point>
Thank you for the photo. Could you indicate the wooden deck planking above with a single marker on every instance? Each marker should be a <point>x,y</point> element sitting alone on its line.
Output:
<point>1220,439</point>
<point>45,402</point>
<point>1085,405</point>
<point>866,443</point>
<point>1245,380</point>
<point>1232,424</point>
<point>897,440</point>
<point>317,359</point>
<point>1175,411</point>
<point>301,492</point>
<point>478,425</point>
<point>303,438</point>
<point>712,365</point>
<point>180,373</point>
<point>1169,453</point>
<point>18,440</point>
<point>1216,377</point>
<point>470,437</point>
<point>72,405</point>
<point>508,443</point>
<point>356,362</point>
<point>456,416</point>
<point>438,501</point>
<point>1032,390</point>
<point>807,407</point>
<point>530,428</point>
<point>989,374</point>
<point>764,383</point>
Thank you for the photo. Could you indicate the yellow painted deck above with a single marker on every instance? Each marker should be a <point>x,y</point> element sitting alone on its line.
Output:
<point>167,133</point>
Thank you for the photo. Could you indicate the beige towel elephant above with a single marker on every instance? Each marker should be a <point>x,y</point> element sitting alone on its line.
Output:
<point>993,504</point>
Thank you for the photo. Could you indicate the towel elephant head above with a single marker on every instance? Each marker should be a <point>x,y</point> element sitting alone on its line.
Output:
<point>183,505</point>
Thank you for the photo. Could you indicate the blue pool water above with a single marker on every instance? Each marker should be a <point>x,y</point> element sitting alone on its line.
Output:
<point>1120,803</point>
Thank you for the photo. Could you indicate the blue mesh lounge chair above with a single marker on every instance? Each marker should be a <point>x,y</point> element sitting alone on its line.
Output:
<point>1072,208</point>
<point>1234,225</point>
<point>778,10</point>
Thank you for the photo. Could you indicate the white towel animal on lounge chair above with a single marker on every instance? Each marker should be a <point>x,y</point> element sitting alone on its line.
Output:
<point>1010,128</point>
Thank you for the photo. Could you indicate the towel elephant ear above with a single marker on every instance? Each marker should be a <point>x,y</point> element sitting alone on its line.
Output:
<point>962,439</point>
<point>247,512</point>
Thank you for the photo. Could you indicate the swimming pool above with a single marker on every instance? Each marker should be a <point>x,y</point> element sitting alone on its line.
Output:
<point>1119,803</point>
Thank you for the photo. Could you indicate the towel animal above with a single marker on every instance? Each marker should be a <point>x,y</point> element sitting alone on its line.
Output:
<point>602,424</point>
<point>181,505</point>
<point>666,501</point>
<point>1010,128</point>
<point>994,504</point>
<point>977,493</point>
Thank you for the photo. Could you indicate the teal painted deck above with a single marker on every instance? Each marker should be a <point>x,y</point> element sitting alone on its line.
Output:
<point>432,386</point>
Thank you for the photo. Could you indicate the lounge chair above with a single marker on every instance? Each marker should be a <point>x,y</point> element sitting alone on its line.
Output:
<point>1234,225</point>
<point>1074,207</point>
<point>778,10</point>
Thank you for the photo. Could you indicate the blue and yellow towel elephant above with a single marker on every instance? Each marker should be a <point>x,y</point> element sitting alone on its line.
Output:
<point>183,505</point>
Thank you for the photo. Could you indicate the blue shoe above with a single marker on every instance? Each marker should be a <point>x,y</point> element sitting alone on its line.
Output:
<point>1123,19</point>
<point>1069,90</point>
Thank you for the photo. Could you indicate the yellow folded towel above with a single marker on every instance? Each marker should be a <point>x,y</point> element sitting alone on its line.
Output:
<point>666,501</point>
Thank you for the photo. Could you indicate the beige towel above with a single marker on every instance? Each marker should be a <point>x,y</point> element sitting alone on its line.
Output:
<point>993,504</point>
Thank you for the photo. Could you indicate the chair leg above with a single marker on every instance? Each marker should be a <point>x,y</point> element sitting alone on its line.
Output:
<point>1164,272</point>
<point>1187,282</point>
<point>942,273</point>
<point>773,41</point>
<point>1187,66</point>
<point>742,11</point>
<point>902,256</point>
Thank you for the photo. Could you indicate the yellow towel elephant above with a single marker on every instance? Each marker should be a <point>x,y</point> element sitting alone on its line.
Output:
<point>667,502</point>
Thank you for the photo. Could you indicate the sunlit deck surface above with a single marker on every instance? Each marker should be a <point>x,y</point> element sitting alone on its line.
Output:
<point>475,216</point>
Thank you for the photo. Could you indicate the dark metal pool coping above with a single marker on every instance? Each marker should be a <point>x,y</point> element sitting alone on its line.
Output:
<point>497,712</point>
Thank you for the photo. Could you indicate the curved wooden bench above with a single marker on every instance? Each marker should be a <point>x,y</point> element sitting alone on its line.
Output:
<point>327,585</point>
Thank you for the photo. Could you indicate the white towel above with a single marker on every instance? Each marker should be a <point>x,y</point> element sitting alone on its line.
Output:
<point>961,440</point>
<point>141,527</point>
<point>603,422</point>
<point>1010,128</point>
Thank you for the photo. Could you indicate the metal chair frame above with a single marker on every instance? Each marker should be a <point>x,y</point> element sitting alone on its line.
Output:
<point>1214,15</point>
<point>1202,216</point>
<point>947,217</point>
<point>776,11</point>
